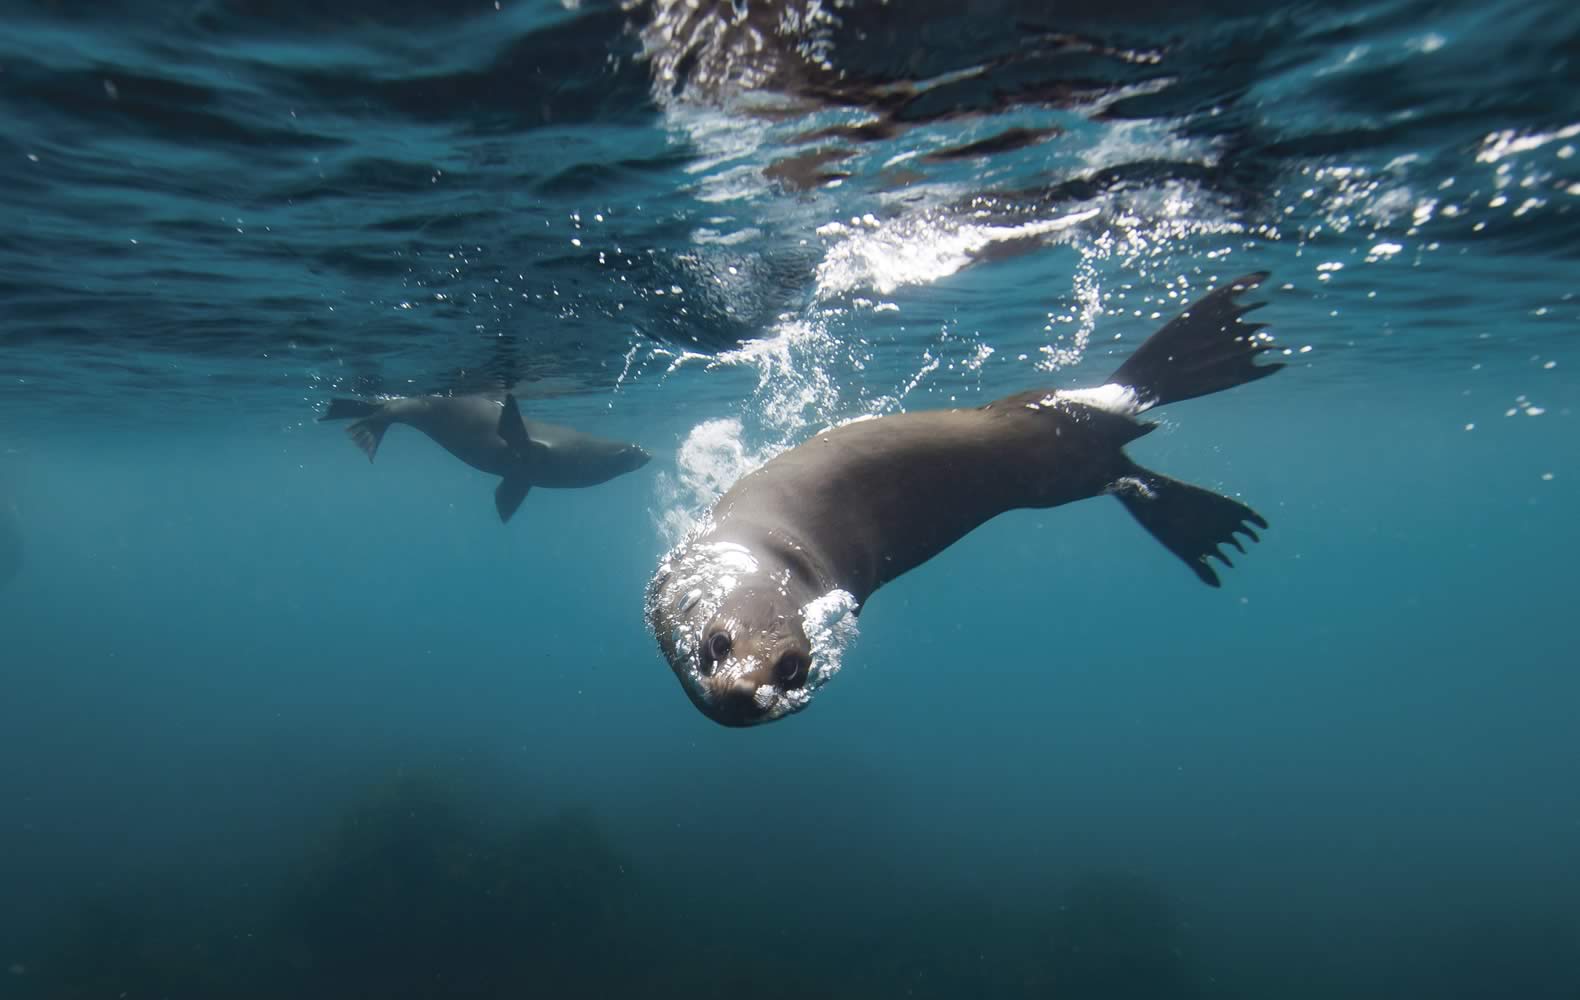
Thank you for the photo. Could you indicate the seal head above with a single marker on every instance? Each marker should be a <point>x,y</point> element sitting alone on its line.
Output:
<point>746,634</point>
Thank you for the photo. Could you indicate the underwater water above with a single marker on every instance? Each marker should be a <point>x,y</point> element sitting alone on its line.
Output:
<point>276,721</point>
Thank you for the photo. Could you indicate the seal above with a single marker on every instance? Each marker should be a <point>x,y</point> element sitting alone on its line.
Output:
<point>749,609</point>
<point>491,436</point>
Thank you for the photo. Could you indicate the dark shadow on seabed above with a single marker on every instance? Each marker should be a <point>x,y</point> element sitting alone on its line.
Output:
<point>411,893</point>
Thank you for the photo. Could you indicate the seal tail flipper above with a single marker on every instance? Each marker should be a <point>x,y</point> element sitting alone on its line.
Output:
<point>368,431</point>
<point>1205,349</point>
<point>509,494</point>
<point>1191,522</point>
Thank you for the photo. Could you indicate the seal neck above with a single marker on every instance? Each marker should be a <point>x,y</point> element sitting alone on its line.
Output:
<point>808,572</point>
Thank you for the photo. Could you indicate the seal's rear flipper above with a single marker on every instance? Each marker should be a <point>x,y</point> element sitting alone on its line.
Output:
<point>1202,350</point>
<point>1191,522</point>
<point>366,432</point>
<point>508,496</point>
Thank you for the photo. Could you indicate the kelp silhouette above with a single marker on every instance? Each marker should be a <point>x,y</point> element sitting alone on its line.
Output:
<point>412,893</point>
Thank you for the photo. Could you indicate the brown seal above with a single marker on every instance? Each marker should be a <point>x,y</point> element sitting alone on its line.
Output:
<point>745,610</point>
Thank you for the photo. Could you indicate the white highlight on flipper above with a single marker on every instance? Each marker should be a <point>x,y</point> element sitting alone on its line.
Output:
<point>1112,398</point>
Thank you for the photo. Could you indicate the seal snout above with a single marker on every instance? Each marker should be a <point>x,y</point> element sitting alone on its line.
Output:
<point>733,635</point>
<point>753,680</point>
<point>735,703</point>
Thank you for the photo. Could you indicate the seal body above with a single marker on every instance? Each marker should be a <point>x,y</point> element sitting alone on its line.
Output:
<point>869,500</point>
<point>741,609</point>
<point>491,436</point>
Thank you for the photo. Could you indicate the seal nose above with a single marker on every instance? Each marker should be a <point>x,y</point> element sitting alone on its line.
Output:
<point>734,704</point>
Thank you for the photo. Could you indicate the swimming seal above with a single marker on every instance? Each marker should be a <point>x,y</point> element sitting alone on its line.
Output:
<point>491,435</point>
<point>813,533</point>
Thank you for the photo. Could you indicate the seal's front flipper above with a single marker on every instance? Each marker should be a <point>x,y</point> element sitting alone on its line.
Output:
<point>367,434</point>
<point>509,494</point>
<point>1191,522</point>
<point>1204,349</point>
<point>513,429</point>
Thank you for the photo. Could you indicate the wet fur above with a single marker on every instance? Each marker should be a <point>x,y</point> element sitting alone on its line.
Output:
<point>863,503</point>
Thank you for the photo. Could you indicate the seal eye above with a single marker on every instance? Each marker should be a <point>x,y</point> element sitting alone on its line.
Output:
<point>790,671</point>
<point>715,650</point>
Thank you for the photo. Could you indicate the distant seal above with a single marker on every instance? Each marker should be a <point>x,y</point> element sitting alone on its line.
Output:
<point>818,529</point>
<point>491,435</point>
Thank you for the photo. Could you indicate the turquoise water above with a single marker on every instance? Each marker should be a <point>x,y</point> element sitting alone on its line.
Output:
<point>279,722</point>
